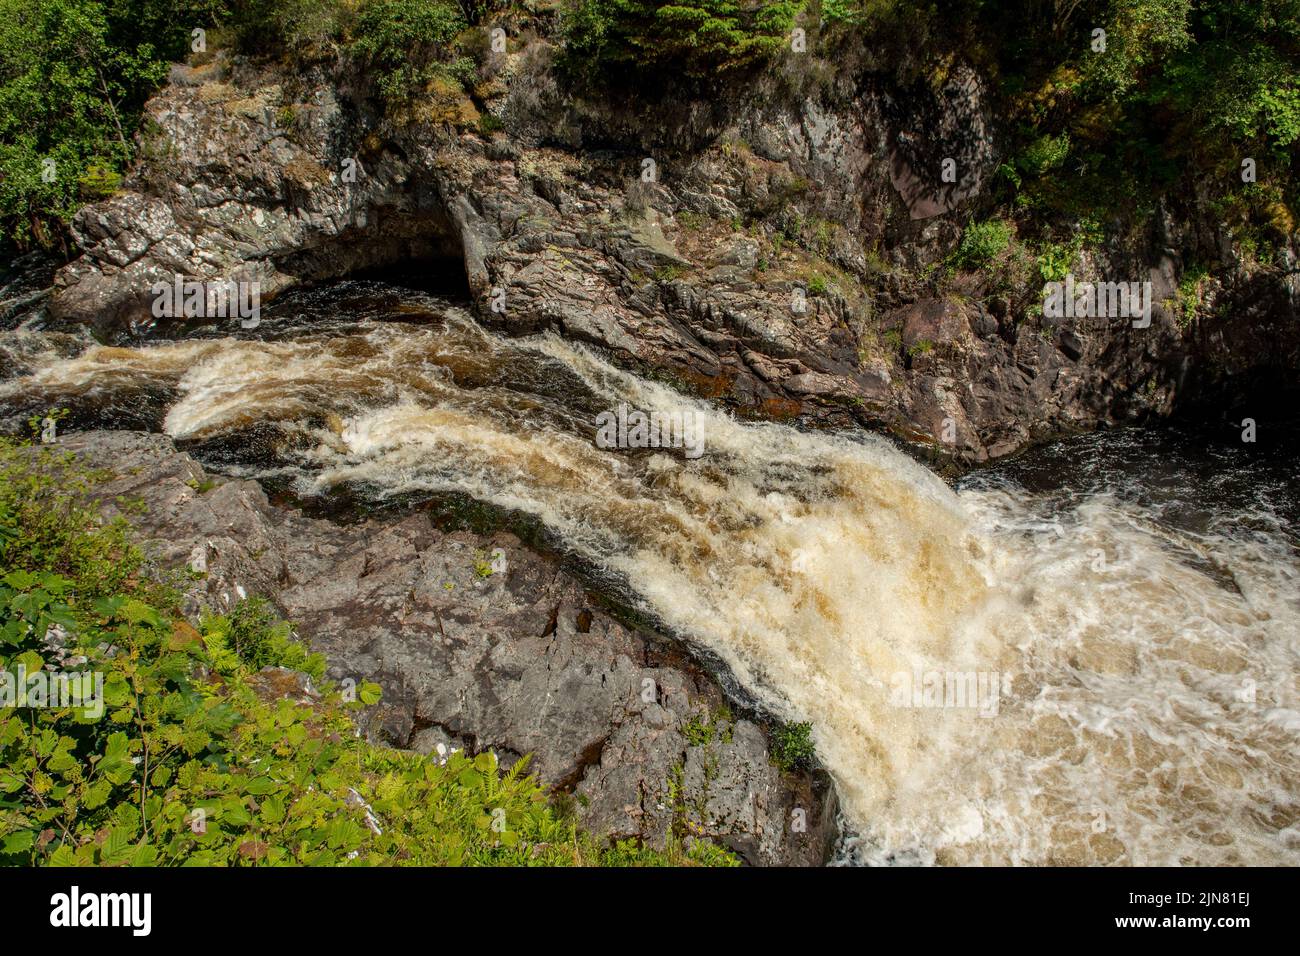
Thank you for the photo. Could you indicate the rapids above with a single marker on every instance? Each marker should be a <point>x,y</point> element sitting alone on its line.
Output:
<point>1138,623</point>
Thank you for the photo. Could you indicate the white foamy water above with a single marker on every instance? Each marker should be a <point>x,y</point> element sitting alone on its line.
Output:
<point>1145,706</point>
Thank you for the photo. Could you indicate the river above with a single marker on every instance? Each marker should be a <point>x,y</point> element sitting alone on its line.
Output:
<point>1084,655</point>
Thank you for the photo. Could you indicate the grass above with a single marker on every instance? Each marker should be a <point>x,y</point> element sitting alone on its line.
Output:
<point>704,727</point>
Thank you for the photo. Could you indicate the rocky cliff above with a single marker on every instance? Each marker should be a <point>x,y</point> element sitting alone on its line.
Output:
<point>786,249</point>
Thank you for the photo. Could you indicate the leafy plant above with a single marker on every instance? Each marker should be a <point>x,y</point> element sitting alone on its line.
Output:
<point>981,243</point>
<point>699,37</point>
<point>406,43</point>
<point>705,726</point>
<point>74,75</point>
<point>792,746</point>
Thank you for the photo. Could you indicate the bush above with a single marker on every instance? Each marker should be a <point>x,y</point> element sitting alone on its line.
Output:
<point>981,243</point>
<point>280,27</point>
<point>406,43</point>
<point>792,746</point>
<point>252,635</point>
<point>74,76</point>
<point>699,37</point>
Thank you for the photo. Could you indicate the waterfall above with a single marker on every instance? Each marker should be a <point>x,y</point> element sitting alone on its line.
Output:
<point>993,675</point>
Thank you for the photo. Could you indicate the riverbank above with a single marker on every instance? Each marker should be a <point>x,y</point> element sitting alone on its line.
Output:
<point>481,645</point>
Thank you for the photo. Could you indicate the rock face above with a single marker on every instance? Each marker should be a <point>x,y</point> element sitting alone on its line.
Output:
<point>781,251</point>
<point>517,661</point>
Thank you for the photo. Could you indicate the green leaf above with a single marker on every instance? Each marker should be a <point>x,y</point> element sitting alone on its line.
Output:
<point>63,856</point>
<point>146,854</point>
<point>96,794</point>
<point>116,847</point>
<point>272,810</point>
<point>137,612</point>
<point>19,842</point>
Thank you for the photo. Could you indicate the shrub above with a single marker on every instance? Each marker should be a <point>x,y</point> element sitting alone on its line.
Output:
<point>257,638</point>
<point>406,43</point>
<point>1055,260</point>
<point>286,27</point>
<point>981,243</point>
<point>792,746</point>
<point>1044,155</point>
<point>699,37</point>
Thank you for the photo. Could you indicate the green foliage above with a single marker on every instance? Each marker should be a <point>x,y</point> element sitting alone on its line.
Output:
<point>1044,155</point>
<point>697,853</point>
<point>405,43</point>
<point>706,726</point>
<point>478,11</point>
<point>1056,259</point>
<point>792,746</point>
<point>698,37</point>
<point>74,75</point>
<point>298,28</point>
<point>981,243</point>
<point>62,87</point>
<point>257,638</point>
<point>189,760</point>
<point>1181,86</point>
<point>1188,298</point>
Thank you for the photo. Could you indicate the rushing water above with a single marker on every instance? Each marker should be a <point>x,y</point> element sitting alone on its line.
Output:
<point>1123,610</point>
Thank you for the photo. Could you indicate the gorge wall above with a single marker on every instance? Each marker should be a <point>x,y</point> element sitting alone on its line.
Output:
<point>655,225</point>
